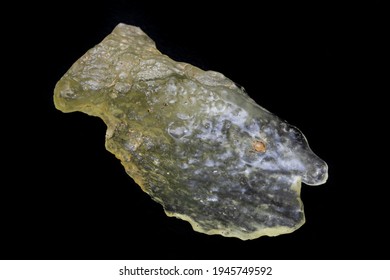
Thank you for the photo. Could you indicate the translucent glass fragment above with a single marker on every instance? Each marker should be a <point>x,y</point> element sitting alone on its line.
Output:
<point>192,139</point>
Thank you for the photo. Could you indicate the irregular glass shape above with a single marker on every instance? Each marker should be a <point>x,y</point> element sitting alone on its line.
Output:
<point>192,139</point>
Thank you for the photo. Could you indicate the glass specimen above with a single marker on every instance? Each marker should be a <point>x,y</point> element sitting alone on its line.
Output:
<point>192,139</point>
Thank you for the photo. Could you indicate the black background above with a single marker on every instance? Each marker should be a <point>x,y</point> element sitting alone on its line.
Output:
<point>63,196</point>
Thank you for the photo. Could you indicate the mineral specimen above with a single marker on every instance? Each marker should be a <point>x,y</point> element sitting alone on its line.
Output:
<point>192,139</point>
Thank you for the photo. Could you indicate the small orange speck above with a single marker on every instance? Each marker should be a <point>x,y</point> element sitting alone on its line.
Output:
<point>259,146</point>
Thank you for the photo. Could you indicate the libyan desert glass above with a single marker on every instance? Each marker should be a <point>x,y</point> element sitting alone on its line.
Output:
<point>192,139</point>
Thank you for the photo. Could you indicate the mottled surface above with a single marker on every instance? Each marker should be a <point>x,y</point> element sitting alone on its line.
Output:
<point>193,140</point>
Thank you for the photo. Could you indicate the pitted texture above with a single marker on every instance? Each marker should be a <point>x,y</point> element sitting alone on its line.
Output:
<point>192,139</point>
